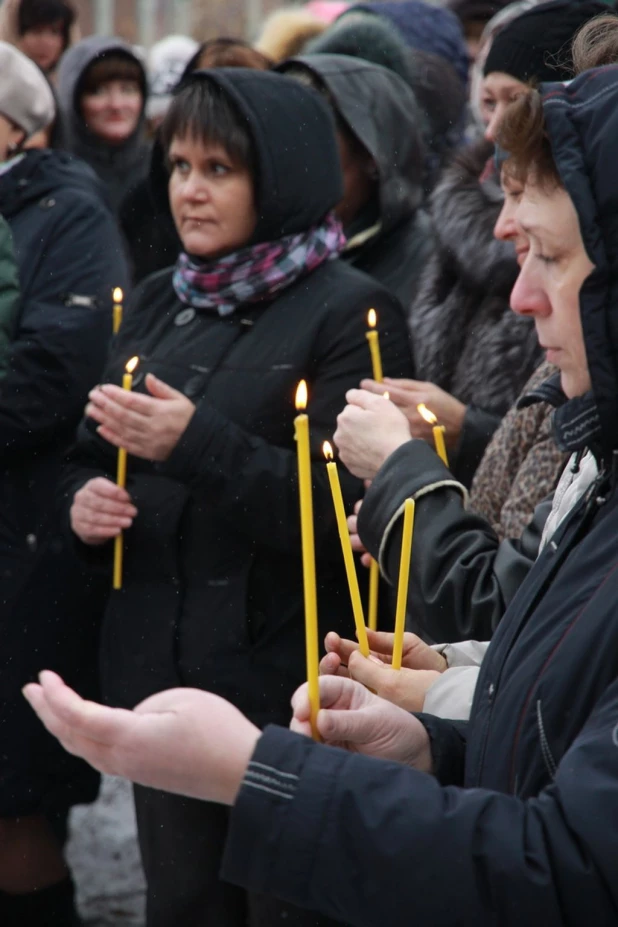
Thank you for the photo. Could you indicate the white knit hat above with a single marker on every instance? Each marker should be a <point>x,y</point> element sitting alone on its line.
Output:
<point>166,65</point>
<point>25,96</point>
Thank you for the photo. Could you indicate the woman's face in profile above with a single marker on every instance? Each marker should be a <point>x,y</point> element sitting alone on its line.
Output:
<point>211,197</point>
<point>551,277</point>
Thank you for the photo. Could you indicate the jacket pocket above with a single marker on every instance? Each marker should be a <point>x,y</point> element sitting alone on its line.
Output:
<point>548,759</point>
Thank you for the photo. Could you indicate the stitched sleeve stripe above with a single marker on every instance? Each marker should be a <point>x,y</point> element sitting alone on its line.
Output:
<point>271,769</point>
<point>255,777</point>
<point>264,788</point>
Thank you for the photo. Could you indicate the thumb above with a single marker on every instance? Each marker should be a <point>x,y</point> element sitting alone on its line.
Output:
<point>159,389</point>
<point>336,726</point>
<point>366,670</point>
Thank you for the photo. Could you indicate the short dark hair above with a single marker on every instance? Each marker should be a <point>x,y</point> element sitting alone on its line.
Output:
<point>113,65</point>
<point>35,13</point>
<point>203,111</point>
<point>523,135</point>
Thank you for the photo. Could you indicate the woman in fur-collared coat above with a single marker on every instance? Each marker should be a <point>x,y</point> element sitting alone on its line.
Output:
<point>465,338</point>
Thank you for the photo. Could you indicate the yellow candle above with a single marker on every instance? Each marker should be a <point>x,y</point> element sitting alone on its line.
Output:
<point>121,477</point>
<point>376,362</point>
<point>301,427</point>
<point>346,547</point>
<point>404,576</point>
<point>118,297</point>
<point>439,432</point>
<point>374,346</point>
<point>374,588</point>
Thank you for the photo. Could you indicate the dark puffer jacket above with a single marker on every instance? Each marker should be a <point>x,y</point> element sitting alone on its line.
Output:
<point>395,241</point>
<point>465,338</point>
<point>69,257</point>
<point>518,824</point>
<point>213,581</point>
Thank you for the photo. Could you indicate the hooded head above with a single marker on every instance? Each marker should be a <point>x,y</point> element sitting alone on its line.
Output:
<point>562,143</point>
<point>74,76</point>
<point>438,90</point>
<point>380,111</point>
<point>289,134</point>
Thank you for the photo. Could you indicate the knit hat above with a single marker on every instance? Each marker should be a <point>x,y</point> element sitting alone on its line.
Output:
<point>166,65</point>
<point>25,96</point>
<point>537,45</point>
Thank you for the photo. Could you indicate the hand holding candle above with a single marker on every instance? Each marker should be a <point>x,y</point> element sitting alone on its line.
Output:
<point>404,577</point>
<point>118,309</point>
<point>438,432</point>
<point>346,547</point>
<point>301,428</point>
<point>121,479</point>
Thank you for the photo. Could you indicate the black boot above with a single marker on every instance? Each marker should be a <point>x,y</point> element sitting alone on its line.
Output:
<point>49,907</point>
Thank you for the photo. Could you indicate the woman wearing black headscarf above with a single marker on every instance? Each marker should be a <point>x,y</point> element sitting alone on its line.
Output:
<point>212,592</point>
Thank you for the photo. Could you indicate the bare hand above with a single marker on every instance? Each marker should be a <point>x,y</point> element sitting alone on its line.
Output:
<point>417,655</point>
<point>100,511</point>
<point>146,426</point>
<point>369,430</point>
<point>421,667</point>
<point>407,396</point>
<point>353,718</point>
<point>184,740</point>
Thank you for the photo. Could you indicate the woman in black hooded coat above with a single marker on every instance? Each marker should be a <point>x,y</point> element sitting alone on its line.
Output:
<point>212,593</point>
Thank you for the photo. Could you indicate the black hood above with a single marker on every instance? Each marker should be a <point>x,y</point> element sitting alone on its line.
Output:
<point>582,124</point>
<point>381,111</point>
<point>298,178</point>
<point>41,174</point>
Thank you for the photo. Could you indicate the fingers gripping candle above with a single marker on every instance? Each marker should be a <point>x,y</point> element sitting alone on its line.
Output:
<point>121,477</point>
<point>301,428</point>
<point>346,547</point>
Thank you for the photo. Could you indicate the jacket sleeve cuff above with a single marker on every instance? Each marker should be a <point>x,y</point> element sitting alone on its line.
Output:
<point>411,472</point>
<point>285,789</point>
<point>448,748</point>
<point>477,432</point>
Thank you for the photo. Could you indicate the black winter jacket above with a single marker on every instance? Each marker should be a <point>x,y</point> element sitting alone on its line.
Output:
<point>518,825</point>
<point>69,258</point>
<point>464,336</point>
<point>213,580</point>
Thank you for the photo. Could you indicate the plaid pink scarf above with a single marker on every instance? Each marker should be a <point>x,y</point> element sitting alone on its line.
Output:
<point>257,271</point>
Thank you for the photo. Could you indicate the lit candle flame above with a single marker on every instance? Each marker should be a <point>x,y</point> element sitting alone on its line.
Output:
<point>302,396</point>
<point>328,450</point>
<point>118,295</point>
<point>132,364</point>
<point>372,318</point>
<point>427,415</point>
<point>387,396</point>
